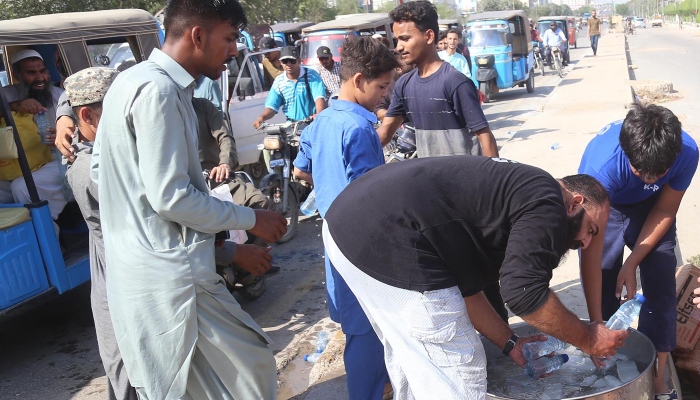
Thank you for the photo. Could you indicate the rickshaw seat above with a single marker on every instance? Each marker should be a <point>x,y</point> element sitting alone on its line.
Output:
<point>10,217</point>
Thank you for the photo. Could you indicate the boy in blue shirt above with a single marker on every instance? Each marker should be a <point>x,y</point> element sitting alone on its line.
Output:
<point>645,163</point>
<point>336,149</point>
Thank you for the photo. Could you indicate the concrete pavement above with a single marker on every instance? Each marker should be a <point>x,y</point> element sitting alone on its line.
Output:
<point>594,93</point>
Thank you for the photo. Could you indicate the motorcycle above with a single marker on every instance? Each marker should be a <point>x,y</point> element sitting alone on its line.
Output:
<point>283,189</point>
<point>236,278</point>
<point>402,146</point>
<point>557,61</point>
<point>539,60</point>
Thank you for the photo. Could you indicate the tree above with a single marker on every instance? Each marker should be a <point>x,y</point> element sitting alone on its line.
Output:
<point>10,9</point>
<point>622,9</point>
<point>315,11</point>
<point>345,6</point>
<point>500,5</point>
<point>385,8</point>
<point>446,12</point>
<point>582,10</point>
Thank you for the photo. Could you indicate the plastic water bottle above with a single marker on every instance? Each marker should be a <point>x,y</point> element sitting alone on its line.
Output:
<point>535,350</point>
<point>308,207</point>
<point>321,341</point>
<point>623,317</point>
<point>42,121</point>
<point>312,358</point>
<point>555,146</point>
<point>545,365</point>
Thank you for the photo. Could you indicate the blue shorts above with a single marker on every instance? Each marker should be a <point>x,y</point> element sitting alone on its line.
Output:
<point>658,316</point>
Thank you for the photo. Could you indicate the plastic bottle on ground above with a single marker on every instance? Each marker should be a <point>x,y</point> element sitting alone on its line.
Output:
<point>42,121</point>
<point>312,358</point>
<point>308,207</point>
<point>625,315</point>
<point>321,341</point>
<point>545,365</point>
<point>555,146</point>
<point>535,350</point>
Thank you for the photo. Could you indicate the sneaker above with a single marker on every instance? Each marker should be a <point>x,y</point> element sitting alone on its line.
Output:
<point>667,396</point>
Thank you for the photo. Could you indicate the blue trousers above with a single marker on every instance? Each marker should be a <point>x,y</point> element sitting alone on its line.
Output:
<point>594,43</point>
<point>364,352</point>
<point>657,319</point>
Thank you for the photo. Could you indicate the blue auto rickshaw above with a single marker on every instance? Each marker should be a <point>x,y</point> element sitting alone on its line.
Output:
<point>501,50</point>
<point>288,33</point>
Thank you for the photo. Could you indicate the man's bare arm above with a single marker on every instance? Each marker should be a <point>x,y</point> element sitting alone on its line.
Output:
<point>303,175</point>
<point>264,116</point>
<point>388,128</point>
<point>592,275</point>
<point>489,148</point>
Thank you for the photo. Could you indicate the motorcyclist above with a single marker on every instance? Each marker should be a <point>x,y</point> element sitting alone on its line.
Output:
<point>534,34</point>
<point>555,37</point>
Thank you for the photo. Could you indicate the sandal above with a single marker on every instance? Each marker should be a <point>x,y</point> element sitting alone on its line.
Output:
<point>667,396</point>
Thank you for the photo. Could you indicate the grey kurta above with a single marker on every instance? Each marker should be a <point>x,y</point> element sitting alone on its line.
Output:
<point>85,192</point>
<point>181,333</point>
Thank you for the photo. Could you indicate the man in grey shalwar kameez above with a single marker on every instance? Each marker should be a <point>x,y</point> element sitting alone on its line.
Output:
<point>85,91</point>
<point>180,332</point>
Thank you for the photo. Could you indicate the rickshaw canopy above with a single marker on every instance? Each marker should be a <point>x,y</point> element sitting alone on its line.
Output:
<point>352,22</point>
<point>290,26</point>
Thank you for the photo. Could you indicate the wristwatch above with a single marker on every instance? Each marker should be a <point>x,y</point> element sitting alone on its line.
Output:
<point>510,344</point>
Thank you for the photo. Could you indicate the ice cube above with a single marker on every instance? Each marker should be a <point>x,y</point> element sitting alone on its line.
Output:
<point>607,364</point>
<point>601,384</point>
<point>612,381</point>
<point>589,381</point>
<point>620,356</point>
<point>627,371</point>
<point>553,391</point>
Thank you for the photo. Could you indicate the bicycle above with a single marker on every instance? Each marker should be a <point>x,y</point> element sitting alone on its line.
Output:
<point>556,59</point>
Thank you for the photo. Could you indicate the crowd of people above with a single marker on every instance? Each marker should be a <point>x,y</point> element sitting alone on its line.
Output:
<point>412,276</point>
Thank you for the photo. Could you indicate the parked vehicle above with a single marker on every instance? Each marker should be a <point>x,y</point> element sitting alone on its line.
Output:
<point>573,31</point>
<point>639,22</point>
<point>247,101</point>
<point>657,20</point>
<point>446,24</point>
<point>280,185</point>
<point>562,23</point>
<point>333,33</point>
<point>402,146</point>
<point>501,49</point>
<point>32,268</point>
<point>288,33</point>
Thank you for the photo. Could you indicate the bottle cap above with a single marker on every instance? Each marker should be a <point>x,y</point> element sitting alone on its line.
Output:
<point>306,357</point>
<point>565,357</point>
<point>640,297</point>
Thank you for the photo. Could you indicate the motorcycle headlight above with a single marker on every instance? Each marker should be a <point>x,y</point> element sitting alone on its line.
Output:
<point>272,142</point>
<point>483,61</point>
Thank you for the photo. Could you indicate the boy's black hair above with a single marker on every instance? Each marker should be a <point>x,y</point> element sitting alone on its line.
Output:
<point>455,31</point>
<point>422,13</point>
<point>587,186</point>
<point>366,56</point>
<point>651,139</point>
<point>441,36</point>
<point>182,14</point>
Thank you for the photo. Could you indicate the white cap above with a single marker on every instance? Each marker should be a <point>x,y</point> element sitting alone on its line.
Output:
<point>26,53</point>
<point>377,36</point>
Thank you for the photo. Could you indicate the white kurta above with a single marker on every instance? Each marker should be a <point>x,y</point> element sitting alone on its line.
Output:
<point>180,332</point>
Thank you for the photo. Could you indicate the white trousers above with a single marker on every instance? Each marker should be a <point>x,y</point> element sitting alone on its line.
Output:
<point>430,346</point>
<point>48,182</point>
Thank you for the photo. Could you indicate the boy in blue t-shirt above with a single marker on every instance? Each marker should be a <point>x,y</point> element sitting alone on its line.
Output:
<point>645,163</point>
<point>337,148</point>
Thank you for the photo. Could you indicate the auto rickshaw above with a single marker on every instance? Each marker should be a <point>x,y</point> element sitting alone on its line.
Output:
<point>500,46</point>
<point>33,266</point>
<point>288,33</point>
<point>563,24</point>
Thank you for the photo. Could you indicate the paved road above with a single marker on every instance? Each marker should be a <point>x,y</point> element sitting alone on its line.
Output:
<point>52,352</point>
<point>511,107</point>
<point>670,54</point>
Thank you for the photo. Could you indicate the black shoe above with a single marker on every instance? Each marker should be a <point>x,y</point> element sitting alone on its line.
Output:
<point>273,271</point>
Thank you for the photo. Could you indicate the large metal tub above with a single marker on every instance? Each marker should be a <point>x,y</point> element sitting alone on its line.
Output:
<point>637,346</point>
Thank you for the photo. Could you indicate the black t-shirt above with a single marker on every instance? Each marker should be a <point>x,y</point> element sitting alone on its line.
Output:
<point>434,223</point>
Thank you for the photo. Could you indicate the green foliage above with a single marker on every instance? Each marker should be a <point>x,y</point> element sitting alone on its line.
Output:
<point>385,8</point>
<point>695,260</point>
<point>347,7</point>
<point>10,9</point>
<point>446,12</point>
<point>685,10</point>
<point>551,9</point>
<point>500,5</point>
<point>315,11</point>
<point>623,9</point>
<point>583,9</point>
